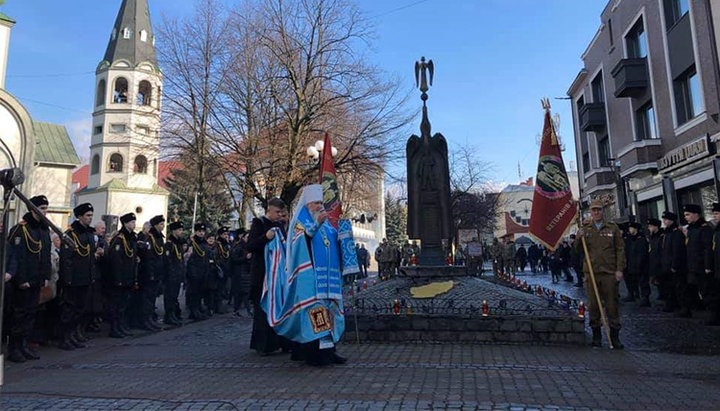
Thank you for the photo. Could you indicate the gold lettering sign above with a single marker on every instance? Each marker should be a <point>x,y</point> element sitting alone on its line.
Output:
<point>685,154</point>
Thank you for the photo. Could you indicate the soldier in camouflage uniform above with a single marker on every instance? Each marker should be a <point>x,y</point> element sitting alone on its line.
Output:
<point>496,253</point>
<point>509,256</point>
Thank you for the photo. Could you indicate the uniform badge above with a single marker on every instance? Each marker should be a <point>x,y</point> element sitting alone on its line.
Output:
<point>117,247</point>
<point>167,253</point>
<point>17,240</point>
<point>320,319</point>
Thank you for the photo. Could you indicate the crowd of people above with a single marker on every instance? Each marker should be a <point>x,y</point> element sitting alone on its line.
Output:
<point>61,290</point>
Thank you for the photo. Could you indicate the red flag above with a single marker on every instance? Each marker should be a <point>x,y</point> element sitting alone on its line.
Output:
<point>553,208</point>
<point>328,179</point>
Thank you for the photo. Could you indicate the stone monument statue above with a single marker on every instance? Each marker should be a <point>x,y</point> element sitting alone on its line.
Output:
<point>428,179</point>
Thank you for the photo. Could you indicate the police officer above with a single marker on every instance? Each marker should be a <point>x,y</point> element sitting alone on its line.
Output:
<point>152,270</point>
<point>29,267</point>
<point>175,273</point>
<point>699,257</point>
<point>654,258</point>
<point>77,273</point>
<point>712,284</point>
<point>637,263</point>
<point>120,271</point>
<point>198,265</point>
<point>606,251</point>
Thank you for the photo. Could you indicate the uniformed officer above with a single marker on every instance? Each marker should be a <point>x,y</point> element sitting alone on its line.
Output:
<point>698,244</point>
<point>151,271</point>
<point>673,261</point>
<point>222,260</point>
<point>712,284</point>
<point>496,251</point>
<point>175,273</point>
<point>654,259</point>
<point>29,266</point>
<point>120,271</point>
<point>606,251</point>
<point>77,273</point>
<point>509,256</point>
<point>637,264</point>
<point>197,270</point>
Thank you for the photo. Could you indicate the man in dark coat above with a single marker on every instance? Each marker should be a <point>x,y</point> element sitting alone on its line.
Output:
<point>577,259</point>
<point>120,272</point>
<point>534,254</point>
<point>712,282</point>
<point>699,257</point>
<point>29,266</point>
<point>637,263</point>
<point>77,274</point>
<point>198,266</point>
<point>521,257</point>
<point>222,260</point>
<point>264,340</point>
<point>240,269</point>
<point>175,273</point>
<point>654,257</point>
<point>672,261</point>
<point>151,271</point>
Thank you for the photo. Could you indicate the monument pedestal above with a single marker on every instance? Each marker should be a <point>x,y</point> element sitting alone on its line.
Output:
<point>433,272</point>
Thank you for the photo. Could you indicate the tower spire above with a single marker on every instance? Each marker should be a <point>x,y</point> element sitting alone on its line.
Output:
<point>132,37</point>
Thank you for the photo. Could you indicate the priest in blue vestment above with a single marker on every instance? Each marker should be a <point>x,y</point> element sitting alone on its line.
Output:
<point>303,289</point>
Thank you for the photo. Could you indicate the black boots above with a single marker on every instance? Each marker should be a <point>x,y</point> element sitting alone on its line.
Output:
<point>644,302</point>
<point>28,352</point>
<point>115,331</point>
<point>615,338</point>
<point>14,352</point>
<point>66,344</point>
<point>597,337</point>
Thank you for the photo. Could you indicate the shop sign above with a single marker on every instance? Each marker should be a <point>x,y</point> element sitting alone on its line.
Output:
<point>686,154</point>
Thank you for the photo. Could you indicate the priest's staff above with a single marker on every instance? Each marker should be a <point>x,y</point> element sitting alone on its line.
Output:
<point>592,281</point>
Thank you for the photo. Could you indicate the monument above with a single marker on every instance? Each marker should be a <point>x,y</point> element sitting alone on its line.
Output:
<point>428,179</point>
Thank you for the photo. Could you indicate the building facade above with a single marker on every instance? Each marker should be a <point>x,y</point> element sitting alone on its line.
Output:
<point>645,108</point>
<point>124,149</point>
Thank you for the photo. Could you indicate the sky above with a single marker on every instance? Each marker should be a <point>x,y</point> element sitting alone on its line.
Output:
<point>494,60</point>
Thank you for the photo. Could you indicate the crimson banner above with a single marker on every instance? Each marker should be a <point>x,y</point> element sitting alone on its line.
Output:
<point>328,179</point>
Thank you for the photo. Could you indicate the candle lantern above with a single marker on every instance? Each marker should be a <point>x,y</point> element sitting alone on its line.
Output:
<point>485,308</point>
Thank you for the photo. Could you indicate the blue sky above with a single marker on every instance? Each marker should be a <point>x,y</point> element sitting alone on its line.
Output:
<point>494,61</point>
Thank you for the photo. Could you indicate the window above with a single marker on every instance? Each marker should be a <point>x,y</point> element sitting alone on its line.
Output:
<point>144,95</point>
<point>97,130</point>
<point>645,123</point>
<point>143,35</point>
<point>586,162</point>
<point>117,128</point>
<point>126,33</point>
<point>604,151</point>
<point>145,131</point>
<point>674,11</point>
<point>688,96</point>
<point>120,95</point>
<point>95,164</point>
<point>598,89</point>
<point>155,167</point>
<point>610,32</point>
<point>141,164</point>
<point>116,163</point>
<point>636,41</point>
<point>100,96</point>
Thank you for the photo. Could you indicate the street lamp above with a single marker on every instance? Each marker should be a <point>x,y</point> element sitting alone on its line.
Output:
<point>315,150</point>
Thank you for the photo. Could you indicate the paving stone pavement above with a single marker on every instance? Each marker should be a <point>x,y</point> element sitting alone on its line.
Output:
<point>208,366</point>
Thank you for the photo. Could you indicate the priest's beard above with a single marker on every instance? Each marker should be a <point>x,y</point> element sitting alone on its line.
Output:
<point>316,215</point>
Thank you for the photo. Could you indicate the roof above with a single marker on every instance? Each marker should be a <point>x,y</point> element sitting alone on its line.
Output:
<point>5,17</point>
<point>54,145</point>
<point>135,16</point>
<point>80,176</point>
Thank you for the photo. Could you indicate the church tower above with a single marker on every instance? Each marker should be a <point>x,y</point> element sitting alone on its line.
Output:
<point>126,122</point>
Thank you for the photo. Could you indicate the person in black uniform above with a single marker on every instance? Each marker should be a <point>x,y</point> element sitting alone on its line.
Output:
<point>211,279</point>
<point>77,274</point>
<point>264,339</point>
<point>637,264</point>
<point>654,259</point>
<point>712,282</point>
<point>151,271</point>
<point>120,269</point>
<point>175,273</point>
<point>198,265</point>
<point>240,268</point>
<point>29,266</point>
<point>699,257</point>
<point>673,261</point>
<point>222,260</point>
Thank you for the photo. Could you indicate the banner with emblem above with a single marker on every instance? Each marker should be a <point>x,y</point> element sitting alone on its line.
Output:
<point>553,208</point>
<point>328,179</point>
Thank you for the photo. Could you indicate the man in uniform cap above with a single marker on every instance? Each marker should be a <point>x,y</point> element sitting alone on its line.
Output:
<point>712,283</point>
<point>175,273</point>
<point>77,274</point>
<point>654,254</point>
<point>222,260</point>
<point>151,271</point>
<point>699,257</point>
<point>636,277</point>
<point>121,274</point>
<point>673,261</point>
<point>198,267</point>
<point>606,251</point>
<point>29,267</point>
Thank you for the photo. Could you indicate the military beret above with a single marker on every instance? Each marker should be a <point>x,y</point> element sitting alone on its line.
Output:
<point>654,221</point>
<point>128,218</point>
<point>222,230</point>
<point>635,225</point>
<point>596,204</point>
<point>39,201</point>
<point>669,215</point>
<point>175,225</point>
<point>83,208</point>
<point>157,220</point>
<point>716,207</point>
<point>692,208</point>
<point>199,226</point>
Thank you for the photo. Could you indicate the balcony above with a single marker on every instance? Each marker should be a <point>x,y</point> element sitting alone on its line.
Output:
<point>631,77</point>
<point>592,117</point>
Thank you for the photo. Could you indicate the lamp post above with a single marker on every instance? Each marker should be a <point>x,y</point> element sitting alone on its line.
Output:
<point>315,150</point>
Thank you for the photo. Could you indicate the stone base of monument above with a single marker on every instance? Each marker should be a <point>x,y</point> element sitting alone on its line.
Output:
<point>422,273</point>
<point>388,312</point>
